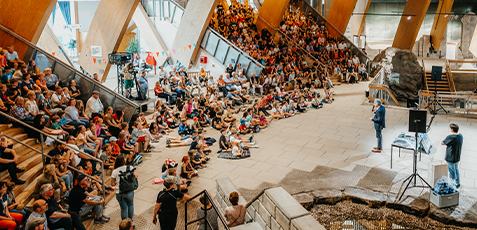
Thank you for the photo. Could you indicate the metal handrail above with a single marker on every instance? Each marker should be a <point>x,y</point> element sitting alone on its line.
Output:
<point>205,211</point>
<point>254,198</point>
<point>67,66</point>
<point>236,48</point>
<point>450,78</point>
<point>177,5</point>
<point>58,141</point>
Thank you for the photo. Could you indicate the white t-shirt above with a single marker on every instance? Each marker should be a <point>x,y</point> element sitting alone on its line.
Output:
<point>76,151</point>
<point>235,151</point>
<point>115,174</point>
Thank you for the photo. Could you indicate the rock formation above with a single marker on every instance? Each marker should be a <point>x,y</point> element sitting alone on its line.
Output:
<point>403,74</point>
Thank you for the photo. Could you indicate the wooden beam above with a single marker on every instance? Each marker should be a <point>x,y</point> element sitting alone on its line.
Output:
<point>107,29</point>
<point>358,19</point>
<point>26,18</point>
<point>440,22</point>
<point>340,14</point>
<point>77,32</point>
<point>149,34</point>
<point>413,15</point>
<point>132,27</point>
<point>271,14</point>
<point>194,22</point>
<point>50,43</point>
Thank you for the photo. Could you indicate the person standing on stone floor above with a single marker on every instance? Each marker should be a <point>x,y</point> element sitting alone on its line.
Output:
<point>379,123</point>
<point>453,151</point>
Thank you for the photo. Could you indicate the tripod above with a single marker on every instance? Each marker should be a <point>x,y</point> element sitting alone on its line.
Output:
<point>433,106</point>
<point>413,177</point>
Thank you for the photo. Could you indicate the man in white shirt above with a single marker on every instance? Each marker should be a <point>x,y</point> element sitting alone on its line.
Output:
<point>244,82</point>
<point>342,45</point>
<point>58,99</point>
<point>255,81</point>
<point>162,74</point>
<point>94,107</point>
<point>355,60</point>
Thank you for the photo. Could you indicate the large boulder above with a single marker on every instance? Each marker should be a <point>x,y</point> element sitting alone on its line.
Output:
<point>403,74</point>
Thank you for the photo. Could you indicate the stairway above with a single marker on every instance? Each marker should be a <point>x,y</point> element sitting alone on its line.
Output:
<point>442,85</point>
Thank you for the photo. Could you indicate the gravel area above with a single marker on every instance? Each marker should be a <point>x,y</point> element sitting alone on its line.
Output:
<point>334,217</point>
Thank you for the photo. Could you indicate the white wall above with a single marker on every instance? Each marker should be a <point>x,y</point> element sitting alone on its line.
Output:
<point>86,11</point>
<point>216,68</point>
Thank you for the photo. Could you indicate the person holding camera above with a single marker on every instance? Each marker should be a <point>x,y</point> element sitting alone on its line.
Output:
<point>128,72</point>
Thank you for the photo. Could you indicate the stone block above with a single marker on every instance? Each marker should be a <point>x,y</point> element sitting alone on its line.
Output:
<point>285,203</point>
<point>413,205</point>
<point>274,224</point>
<point>306,223</point>
<point>251,210</point>
<point>255,204</point>
<point>365,196</point>
<point>260,221</point>
<point>282,220</point>
<point>226,186</point>
<point>305,199</point>
<point>248,218</point>
<point>327,196</point>
<point>248,226</point>
<point>262,211</point>
<point>268,204</point>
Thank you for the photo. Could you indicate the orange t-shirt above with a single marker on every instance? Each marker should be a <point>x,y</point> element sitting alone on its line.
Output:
<point>115,150</point>
<point>89,172</point>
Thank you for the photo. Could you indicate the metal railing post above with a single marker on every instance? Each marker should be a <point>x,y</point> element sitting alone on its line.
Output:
<point>42,150</point>
<point>185,214</point>
<point>103,184</point>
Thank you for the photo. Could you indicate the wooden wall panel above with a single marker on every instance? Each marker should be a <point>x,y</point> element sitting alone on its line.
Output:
<point>50,43</point>
<point>192,28</point>
<point>409,25</point>
<point>440,22</point>
<point>271,14</point>
<point>340,14</point>
<point>107,29</point>
<point>26,18</point>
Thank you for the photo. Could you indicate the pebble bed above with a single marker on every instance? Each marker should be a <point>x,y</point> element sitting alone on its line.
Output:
<point>334,217</point>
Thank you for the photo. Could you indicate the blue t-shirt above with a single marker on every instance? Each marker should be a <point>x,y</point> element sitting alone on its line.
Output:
<point>6,77</point>
<point>63,121</point>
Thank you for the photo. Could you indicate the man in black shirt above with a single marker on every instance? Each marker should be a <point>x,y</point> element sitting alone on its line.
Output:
<point>56,215</point>
<point>82,202</point>
<point>58,150</point>
<point>166,204</point>
<point>223,143</point>
<point>454,147</point>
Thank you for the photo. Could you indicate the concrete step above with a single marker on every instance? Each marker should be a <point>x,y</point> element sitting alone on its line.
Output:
<point>249,226</point>
<point>4,127</point>
<point>28,176</point>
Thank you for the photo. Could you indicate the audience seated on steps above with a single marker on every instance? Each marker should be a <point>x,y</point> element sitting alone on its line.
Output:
<point>57,216</point>
<point>49,177</point>
<point>7,220</point>
<point>82,201</point>
<point>9,161</point>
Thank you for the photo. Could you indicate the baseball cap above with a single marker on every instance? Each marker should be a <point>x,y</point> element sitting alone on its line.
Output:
<point>195,118</point>
<point>81,177</point>
<point>113,139</point>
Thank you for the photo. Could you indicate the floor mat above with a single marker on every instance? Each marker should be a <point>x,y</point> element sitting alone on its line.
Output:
<point>229,155</point>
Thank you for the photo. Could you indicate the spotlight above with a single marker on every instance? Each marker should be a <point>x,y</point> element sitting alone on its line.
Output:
<point>408,17</point>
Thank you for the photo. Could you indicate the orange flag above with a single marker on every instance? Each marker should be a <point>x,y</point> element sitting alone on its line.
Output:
<point>185,48</point>
<point>94,60</point>
<point>157,54</point>
<point>53,53</point>
<point>190,47</point>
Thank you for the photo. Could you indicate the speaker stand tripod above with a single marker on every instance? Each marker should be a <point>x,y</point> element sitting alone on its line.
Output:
<point>412,179</point>
<point>435,105</point>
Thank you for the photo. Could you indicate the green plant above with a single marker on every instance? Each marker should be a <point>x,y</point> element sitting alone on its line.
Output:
<point>133,46</point>
<point>72,44</point>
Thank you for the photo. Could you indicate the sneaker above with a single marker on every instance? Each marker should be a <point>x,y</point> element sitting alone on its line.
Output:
<point>254,146</point>
<point>168,145</point>
<point>188,183</point>
<point>457,186</point>
<point>101,220</point>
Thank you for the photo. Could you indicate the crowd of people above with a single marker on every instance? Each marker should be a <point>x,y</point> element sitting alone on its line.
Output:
<point>287,87</point>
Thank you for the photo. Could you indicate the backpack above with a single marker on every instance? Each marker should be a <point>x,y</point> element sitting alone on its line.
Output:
<point>137,159</point>
<point>127,181</point>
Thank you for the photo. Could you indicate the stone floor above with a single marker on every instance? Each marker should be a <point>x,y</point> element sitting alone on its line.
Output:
<point>338,138</point>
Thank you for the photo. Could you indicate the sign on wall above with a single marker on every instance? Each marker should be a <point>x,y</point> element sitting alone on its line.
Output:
<point>96,51</point>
